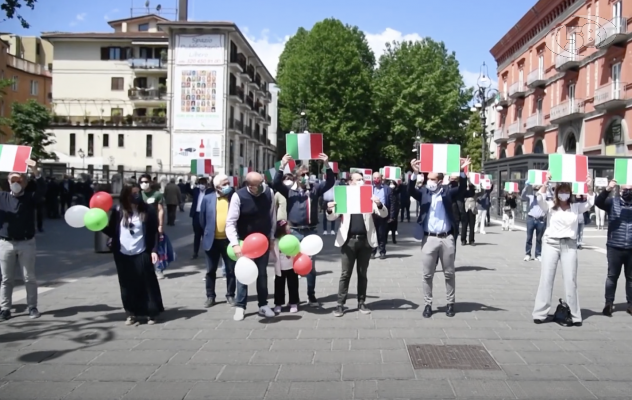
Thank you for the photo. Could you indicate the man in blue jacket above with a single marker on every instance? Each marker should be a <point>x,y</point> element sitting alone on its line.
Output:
<point>382,192</point>
<point>436,227</point>
<point>202,188</point>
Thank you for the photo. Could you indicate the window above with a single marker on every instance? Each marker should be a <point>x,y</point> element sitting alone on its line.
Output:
<point>120,169</point>
<point>241,149</point>
<point>14,83</point>
<point>538,148</point>
<point>541,66</point>
<point>117,83</point>
<point>121,140</point>
<point>520,77</point>
<point>115,53</point>
<point>106,140</point>
<point>143,27</point>
<point>90,145</point>
<point>149,145</point>
<point>34,88</point>
<point>73,144</point>
<point>231,154</point>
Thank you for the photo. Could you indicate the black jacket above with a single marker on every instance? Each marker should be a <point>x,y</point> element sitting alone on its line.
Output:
<point>150,230</point>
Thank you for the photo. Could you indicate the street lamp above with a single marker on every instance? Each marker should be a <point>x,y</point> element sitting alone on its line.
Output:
<point>417,143</point>
<point>82,155</point>
<point>483,92</point>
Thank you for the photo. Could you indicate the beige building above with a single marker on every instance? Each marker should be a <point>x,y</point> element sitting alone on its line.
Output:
<point>30,48</point>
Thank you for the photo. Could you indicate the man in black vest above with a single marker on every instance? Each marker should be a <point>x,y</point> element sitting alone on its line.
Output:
<point>252,210</point>
<point>619,242</point>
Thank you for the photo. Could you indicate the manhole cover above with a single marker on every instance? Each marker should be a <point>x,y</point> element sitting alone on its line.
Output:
<point>428,356</point>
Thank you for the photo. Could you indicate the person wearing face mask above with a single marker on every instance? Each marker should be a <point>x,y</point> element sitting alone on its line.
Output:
<point>133,229</point>
<point>536,220</point>
<point>173,199</point>
<point>559,245</point>
<point>393,212</point>
<point>199,191</point>
<point>252,210</point>
<point>383,193</point>
<point>436,228</point>
<point>213,215</point>
<point>302,207</point>
<point>281,201</point>
<point>468,218</point>
<point>153,198</point>
<point>17,239</point>
<point>619,242</point>
<point>328,197</point>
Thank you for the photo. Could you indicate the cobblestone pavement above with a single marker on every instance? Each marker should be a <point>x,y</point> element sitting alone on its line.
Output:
<point>81,349</point>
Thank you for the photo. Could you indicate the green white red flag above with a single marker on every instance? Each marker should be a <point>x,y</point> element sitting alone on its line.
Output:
<point>391,173</point>
<point>334,167</point>
<point>269,174</point>
<point>367,174</point>
<point>537,177</point>
<point>445,158</point>
<point>353,199</point>
<point>243,171</point>
<point>475,178</point>
<point>13,158</point>
<point>344,175</point>
<point>580,188</point>
<point>233,181</point>
<point>511,187</point>
<point>622,171</point>
<point>568,167</point>
<point>201,166</point>
<point>304,146</point>
<point>289,167</point>
<point>486,184</point>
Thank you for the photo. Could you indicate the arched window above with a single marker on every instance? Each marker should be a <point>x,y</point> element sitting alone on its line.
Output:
<point>538,147</point>
<point>613,135</point>
<point>518,151</point>
<point>570,144</point>
<point>503,153</point>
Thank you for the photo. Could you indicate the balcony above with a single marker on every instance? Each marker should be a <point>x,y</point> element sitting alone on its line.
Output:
<point>262,112</point>
<point>250,102</point>
<point>535,123</point>
<point>611,96</point>
<point>266,97</point>
<point>235,125</point>
<point>129,121</point>
<point>517,90</point>
<point>237,62</point>
<point>27,66</point>
<point>566,60</point>
<point>567,111</point>
<point>147,94</point>
<point>245,75</point>
<point>262,89</point>
<point>500,135</point>
<point>248,131</point>
<point>613,33</point>
<point>516,129</point>
<point>536,78</point>
<point>148,64</point>
<point>235,94</point>
<point>256,82</point>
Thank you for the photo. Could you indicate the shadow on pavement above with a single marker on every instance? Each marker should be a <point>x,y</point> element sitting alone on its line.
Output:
<point>467,268</point>
<point>70,311</point>
<point>393,304</point>
<point>470,307</point>
<point>618,308</point>
<point>175,275</point>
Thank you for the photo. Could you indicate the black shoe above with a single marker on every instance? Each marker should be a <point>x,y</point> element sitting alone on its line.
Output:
<point>394,241</point>
<point>41,230</point>
<point>450,310</point>
<point>577,324</point>
<point>539,321</point>
<point>210,302</point>
<point>372,256</point>
<point>363,309</point>
<point>607,310</point>
<point>313,302</point>
<point>5,315</point>
<point>230,300</point>
<point>463,243</point>
<point>472,244</point>
<point>382,256</point>
<point>194,257</point>
<point>427,311</point>
<point>339,311</point>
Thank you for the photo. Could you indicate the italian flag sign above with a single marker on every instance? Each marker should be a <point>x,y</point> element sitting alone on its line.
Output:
<point>353,199</point>
<point>580,188</point>
<point>511,187</point>
<point>233,181</point>
<point>243,171</point>
<point>486,184</point>
<point>344,175</point>
<point>537,177</point>
<point>366,173</point>
<point>201,166</point>
<point>269,174</point>
<point>622,171</point>
<point>289,167</point>
<point>568,168</point>
<point>304,146</point>
<point>444,158</point>
<point>333,166</point>
<point>475,178</point>
<point>13,158</point>
<point>392,173</point>
<point>487,176</point>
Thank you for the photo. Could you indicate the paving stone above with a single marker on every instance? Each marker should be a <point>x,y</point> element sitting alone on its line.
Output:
<point>377,344</point>
<point>140,357</point>
<point>374,334</point>
<point>417,333</point>
<point>398,389</point>
<point>7,369</point>
<point>302,344</point>
<point>348,357</point>
<point>167,344</point>
<point>275,334</point>
<point>227,391</point>
<point>99,391</point>
<point>39,391</point>
<point>481,389</point>
<point>24,356</point>
<point>78,357</point>
<point>283,357</point>
<point>610,389</point>
<point>593,372</point>
<point>507,357</point>
<point>249,373</point>
<point>555,358</point>
<point>118,373</point>
<point>549,390</point>
<point>222,357</point>
<point>159,390</point>
<point>329,334</point>
<point>238,344</point>
<point>354,372</point>
<point>214,334</point>
<point>46,372</point>
<point>539,373</point>
<point>180,334</point>
<point>310,391</point>
<point>187,372</point>
<point>314,373</point>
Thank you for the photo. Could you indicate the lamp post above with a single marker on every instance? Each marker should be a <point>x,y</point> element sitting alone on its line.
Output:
<point>417,143</point>
<point>483,92</point>
<point>82,155</point>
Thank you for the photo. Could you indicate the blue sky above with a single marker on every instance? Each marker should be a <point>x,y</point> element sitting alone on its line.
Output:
<point>470,28</point>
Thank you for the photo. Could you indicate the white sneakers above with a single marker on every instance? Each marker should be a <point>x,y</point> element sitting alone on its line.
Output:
<point>332,232</point>
<point>396,233</point>
<point>325,233</point>
<point>527,258</point>
<point>239,314</point>
<point>266,311</point>
<point>160,275</point>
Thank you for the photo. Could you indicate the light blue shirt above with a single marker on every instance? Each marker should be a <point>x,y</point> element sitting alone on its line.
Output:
<point>436,220</point>
<point>535,210</point>
<point>379,192</point>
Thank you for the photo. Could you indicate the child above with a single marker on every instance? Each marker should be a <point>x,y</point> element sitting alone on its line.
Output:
<point>508,211</point>
<point>284,270</point>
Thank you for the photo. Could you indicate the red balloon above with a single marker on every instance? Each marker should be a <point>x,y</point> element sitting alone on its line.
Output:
<point>101,200</point>
<point>302,264</point>
<point>255,245</point>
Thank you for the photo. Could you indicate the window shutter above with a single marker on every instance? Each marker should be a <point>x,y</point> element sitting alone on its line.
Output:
<point>105,53</point>
<point>126,53</point>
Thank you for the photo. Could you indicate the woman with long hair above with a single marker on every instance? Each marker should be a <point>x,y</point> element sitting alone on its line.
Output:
<point>133,229</point>
<point>559,244</point>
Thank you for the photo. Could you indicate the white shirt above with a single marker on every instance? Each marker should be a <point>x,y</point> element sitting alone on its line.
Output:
<point>200,199</point>
<point>131,236</point>
<point>563,224</point>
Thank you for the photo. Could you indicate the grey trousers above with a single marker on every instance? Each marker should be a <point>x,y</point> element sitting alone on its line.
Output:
<point>432,250</point>
<point>12,255</point>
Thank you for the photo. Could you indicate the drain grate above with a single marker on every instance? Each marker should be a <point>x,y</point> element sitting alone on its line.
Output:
<point>464,357</point>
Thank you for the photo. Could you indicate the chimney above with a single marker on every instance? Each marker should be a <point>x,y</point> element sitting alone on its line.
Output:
<point>183,6</point>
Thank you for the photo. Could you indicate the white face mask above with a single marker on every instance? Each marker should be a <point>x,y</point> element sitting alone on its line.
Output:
<point>144,186</point>
<point>16,187</point>
<point>563,196</point>
<point>392,186</point>
<point>288,183</point>
<point>358,183</point>
<point>431,185</point>
<point>202,187</point>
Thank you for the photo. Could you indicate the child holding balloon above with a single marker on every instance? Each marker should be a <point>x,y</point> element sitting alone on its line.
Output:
<point>284,269</point>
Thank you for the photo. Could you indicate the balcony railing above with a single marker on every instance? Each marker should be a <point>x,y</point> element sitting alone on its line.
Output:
<point>250,102</point>
<point>236,91</point>
<point>536,77</point>
<point>566,60</point>
<point>535,122</point>
<point>517,89</point>
<point>613,32</point>
<point>111,121</point>
<point>257,80</point>
<point>147,94</point>
<point>568,110</point>
<point>610,96</point>
<point>502,99</point>
<point>515,128</point>
<point>239,60</point>
<point>248,131</point>
<point>500,135</point>
<point>147,63</point>
<point>236,125</point>
<point>251,72</point>
<point>27,66</point>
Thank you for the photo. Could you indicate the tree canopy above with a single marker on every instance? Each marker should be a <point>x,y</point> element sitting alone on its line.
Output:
<point>29,123</point>
<point>473,144</point>
<point>11,9</point>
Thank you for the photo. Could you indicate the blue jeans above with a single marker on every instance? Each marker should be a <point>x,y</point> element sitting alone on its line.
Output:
<point>332,224</point>
<point>311,277</point>
<point>219,251</point>
<point>262,284</point>
<point>538,225</point>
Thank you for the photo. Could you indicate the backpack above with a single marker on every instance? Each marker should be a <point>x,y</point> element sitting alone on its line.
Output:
<point>563,314</point>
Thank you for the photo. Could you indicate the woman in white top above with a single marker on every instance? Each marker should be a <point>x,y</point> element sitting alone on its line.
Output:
<point>559,244</point>
<point>133,229</point>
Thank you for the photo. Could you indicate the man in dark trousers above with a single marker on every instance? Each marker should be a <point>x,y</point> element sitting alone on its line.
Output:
<point>382,192</point>
<point>198,194</point>
<point>184,189</point>
<point>67,188</point>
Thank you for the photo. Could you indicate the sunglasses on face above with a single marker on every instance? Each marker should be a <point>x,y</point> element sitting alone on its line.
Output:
<point>144,181</point>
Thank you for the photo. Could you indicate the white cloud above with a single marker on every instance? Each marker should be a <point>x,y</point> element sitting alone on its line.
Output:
<point>78,18</point>
<point>471,78</point>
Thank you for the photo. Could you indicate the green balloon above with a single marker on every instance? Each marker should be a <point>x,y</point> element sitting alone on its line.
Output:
<point>289,245</point>
<point>231,252</point>
<point>96,219</point>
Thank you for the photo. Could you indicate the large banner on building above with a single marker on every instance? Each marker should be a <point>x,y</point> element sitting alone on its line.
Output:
<point>198,101</point>
<point>187,147</point>
<point>200,49</point>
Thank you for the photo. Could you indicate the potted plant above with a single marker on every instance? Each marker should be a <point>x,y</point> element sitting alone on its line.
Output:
<point>162,88</point>
<point>116,117</point>
<point>86,118</point>
<point>129,119</point>
<point>163,56</point>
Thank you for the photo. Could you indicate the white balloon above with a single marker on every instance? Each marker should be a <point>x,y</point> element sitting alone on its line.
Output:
<point>74,216</point>
<point>246,271</point>
<point>311,245</point>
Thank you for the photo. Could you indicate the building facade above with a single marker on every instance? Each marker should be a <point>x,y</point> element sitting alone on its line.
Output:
<point>565,77</point>
<point>30,48</point>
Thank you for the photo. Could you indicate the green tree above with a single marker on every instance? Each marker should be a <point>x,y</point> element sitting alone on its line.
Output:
<point>473,144</point>
<point>417,86</point>
<point>287,116</point>
<point>328,70</point>
<point>11,7</point>
<point>29,123</point>
<point>4,83</point>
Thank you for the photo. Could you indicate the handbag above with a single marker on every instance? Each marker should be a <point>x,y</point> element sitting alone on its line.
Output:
<point>166,254</point>
<point>563,314</point>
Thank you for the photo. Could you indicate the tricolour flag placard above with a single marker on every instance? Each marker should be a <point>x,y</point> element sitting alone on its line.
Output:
<point>304,146</point>
<point>475,178</point>
<point>392,173</point>
<point>270,174</point>
<point>353,199</point>
<point>536,177</point>
<point>622,171</point>
<point>486,184</point>
<point>511,187</point>
<point>446,180</point>
<point>487,176</point>
<point>233,181</point>
<point>13,158</point>
<point>580,188</point>
<point>366,173</point>
<point>202,166</point>
<point>289,167</point>
<point>408,175</point>
<point>344,175</point>
<point>334,167</point>
<point>445,158</point>
<point>243,171</point>
<point>568,167</point>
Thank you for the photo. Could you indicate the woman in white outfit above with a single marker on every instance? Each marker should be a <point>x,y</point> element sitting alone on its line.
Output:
<point>559,244</point>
